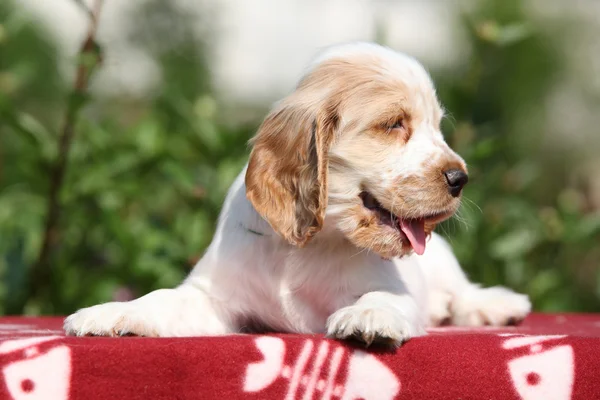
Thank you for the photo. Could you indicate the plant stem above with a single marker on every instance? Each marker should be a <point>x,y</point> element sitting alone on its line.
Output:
<point>89,58</point>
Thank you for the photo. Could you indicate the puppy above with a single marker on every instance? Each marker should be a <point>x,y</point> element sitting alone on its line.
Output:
<point>328,229</point>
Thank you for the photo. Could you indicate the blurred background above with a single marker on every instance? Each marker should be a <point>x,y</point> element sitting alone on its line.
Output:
<point>176,88</point>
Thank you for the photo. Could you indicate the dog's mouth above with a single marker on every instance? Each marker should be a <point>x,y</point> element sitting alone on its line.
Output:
<point>411,230</point>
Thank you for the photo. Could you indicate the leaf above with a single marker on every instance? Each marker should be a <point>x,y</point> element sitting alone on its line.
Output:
<point>149,138</point>
<point>513,33</point>
<point>31,129</point>
<point>543,283</point>
<point>587,227</point>
<point>514,244</point>
<point>515,272</point>
<point>179,175</point>
<point>484,148</point>
<point>506,35</point>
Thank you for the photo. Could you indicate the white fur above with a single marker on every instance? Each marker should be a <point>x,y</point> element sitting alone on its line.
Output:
<point>250,275</point>
<point>244,276</point>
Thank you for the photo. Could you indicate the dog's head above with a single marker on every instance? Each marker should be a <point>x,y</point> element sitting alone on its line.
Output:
<point>358,144</point>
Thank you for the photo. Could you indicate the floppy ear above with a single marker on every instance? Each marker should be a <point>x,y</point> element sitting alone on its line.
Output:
<point>286,180</point>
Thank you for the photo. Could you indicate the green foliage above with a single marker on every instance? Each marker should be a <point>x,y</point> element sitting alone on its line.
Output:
<point>144,184</point>
<point>146,179</point>
<point>522,223</point>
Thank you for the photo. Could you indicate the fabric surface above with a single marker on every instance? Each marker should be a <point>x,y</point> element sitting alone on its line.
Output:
<point>548,357</point>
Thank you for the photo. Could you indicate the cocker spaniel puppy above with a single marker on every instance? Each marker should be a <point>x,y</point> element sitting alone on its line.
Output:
<point>329,226</point>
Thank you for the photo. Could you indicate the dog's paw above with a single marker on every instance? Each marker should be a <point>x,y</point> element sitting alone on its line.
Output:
<point>372,325</point>
<point>439,308</point>
<point>184,311</point>
<point>496,306</point>
<point>110,319</point>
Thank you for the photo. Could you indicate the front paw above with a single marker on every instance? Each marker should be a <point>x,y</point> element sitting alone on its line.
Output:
<point>495,306</point>
<point>110,319</point>
<point>379,325</point>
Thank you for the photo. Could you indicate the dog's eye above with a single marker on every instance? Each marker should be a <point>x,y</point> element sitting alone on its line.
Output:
<point>399,129</point>
<point>398,125</point>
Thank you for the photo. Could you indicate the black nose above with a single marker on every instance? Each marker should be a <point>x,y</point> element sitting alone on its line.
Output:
<point>456,180</point>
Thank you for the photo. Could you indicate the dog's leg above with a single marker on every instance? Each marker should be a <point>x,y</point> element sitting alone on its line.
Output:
<point>496,306</point>
<point>451,295</point>
<point>377,317</point>
<point>184,311</point>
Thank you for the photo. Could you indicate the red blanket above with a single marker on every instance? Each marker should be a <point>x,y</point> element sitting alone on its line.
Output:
<point>548,357</point>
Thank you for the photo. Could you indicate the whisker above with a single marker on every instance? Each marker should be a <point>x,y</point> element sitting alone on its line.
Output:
<point>461,219</point>
<point>447,236</point>
<point>471,202</point>
<point>450,118</point>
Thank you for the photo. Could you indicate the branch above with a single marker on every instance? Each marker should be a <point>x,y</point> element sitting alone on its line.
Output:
<point>89,59</point>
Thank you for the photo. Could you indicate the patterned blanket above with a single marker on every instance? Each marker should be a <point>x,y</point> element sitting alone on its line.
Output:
<point>548,357</point>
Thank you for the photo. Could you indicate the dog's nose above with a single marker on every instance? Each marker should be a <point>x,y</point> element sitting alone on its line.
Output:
<point>456,180</point>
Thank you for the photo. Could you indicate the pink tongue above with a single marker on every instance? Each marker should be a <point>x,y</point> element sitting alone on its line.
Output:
<point>414,229</point>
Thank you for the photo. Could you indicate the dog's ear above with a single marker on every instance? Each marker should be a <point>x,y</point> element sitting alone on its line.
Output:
<point>286,180</point>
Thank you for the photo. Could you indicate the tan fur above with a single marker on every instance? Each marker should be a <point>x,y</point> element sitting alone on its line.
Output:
<point>314,156</point>
<point>340,118</point>
<point>287,173</point>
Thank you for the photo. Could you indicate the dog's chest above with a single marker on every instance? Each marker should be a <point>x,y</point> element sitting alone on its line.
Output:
<point>316,283</point>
